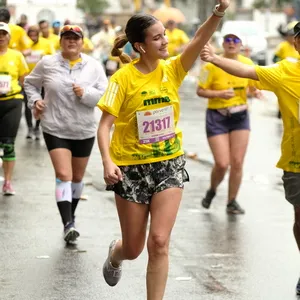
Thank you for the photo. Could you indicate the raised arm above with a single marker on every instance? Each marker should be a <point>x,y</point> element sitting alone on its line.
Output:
<point>231,66</point>
<point>202,36</point>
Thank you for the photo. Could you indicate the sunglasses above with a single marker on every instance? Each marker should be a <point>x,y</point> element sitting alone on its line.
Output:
<point>73,28</point>
<point>234,40</point>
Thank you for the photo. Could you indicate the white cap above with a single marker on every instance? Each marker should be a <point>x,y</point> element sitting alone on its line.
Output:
<point>4,27</point>
<point>233,32</point>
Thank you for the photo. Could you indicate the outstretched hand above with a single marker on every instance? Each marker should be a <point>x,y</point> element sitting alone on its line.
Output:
<point>207,54</point>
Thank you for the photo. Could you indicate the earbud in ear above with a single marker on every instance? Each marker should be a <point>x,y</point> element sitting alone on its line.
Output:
<point>142,49</point>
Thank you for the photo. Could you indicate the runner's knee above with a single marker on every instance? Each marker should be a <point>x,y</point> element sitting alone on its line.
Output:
<point>8,149</point>
<point>158,244</point>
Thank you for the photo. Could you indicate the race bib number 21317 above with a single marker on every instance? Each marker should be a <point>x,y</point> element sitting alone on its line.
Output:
<point>156,125</point>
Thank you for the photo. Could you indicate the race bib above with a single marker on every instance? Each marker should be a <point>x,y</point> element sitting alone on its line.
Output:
<point>5,84</point>
<point>34,57</point>
<point>156,125</point>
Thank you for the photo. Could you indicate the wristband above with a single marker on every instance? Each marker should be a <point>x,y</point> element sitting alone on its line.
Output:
<point>217,13</point>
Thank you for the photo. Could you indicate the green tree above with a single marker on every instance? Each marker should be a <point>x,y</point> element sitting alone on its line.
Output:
<point>92,7</point>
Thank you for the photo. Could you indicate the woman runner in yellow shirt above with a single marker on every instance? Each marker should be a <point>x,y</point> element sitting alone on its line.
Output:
<point>144,162</point>
<point>282,79</point>
<point>13,69</point>
<point>227,121</point>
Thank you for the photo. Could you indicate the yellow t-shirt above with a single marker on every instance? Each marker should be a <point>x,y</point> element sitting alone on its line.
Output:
<point>74,62</point>
<point>12,66</point>
<point>131,93</point>
<point>19,39</point>
<point>54,40</point>
<point>286,50</point>
<point>283,79</point>
<point>213,78</point>
<point>177,38</point>
<point>38,50</point>
<point>88,46</point>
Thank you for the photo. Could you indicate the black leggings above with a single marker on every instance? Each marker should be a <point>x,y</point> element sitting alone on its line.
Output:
<point>28,113</point>
<point>78,148</point>
<point>10,116</point>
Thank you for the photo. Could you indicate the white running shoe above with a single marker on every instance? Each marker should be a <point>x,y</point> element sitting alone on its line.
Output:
<point>70,233</point>
<point>111,274</point>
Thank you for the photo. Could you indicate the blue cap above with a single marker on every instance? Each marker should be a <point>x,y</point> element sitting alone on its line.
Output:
<point>56,24</point>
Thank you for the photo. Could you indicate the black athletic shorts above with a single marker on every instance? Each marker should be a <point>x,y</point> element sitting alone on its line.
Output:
<point>78,148</point>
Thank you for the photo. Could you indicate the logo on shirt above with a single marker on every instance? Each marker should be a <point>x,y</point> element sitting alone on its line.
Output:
<point>156,101</point>
<point>144,93</point>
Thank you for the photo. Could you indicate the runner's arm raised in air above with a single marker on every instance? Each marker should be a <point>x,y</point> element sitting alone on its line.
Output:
<point>202,36</point>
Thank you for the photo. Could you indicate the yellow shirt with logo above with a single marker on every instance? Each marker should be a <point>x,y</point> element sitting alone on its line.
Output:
<point>177,38</point>
<point>131,91</point>
<point>19,39</point>
<point>286,50</point>
<point>12,66</point>
<point>283,79</point>
<point>38,50</point>
<point>213,78</point>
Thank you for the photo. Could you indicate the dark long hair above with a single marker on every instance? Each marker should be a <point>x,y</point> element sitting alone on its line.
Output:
<point>135,31</point>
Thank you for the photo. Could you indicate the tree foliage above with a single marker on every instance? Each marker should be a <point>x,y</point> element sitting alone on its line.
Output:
<point>93,7</point>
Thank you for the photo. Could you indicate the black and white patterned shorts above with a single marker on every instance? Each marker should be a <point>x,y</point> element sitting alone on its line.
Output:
<point>141,182</point>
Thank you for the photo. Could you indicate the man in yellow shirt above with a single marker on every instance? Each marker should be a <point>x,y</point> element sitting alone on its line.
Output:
<point>286,48</point>
<point>46,34</point>
<point>56,27</point>
<point>177,38</point>
<point>39,48</point>
<point>282,79</point>
<point>19,39</point>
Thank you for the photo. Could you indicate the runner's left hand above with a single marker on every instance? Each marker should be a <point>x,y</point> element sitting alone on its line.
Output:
<point>78,90</point>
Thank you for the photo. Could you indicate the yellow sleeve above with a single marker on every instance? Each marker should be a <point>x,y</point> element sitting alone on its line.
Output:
<point>269,77</point>
<point>23,67</point>
<point>176,69</point>
<point>206,76</point>
<point>114,96</point>
<point>255,83</point>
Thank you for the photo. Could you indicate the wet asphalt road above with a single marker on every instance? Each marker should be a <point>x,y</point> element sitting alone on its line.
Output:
<point>212,255</point>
